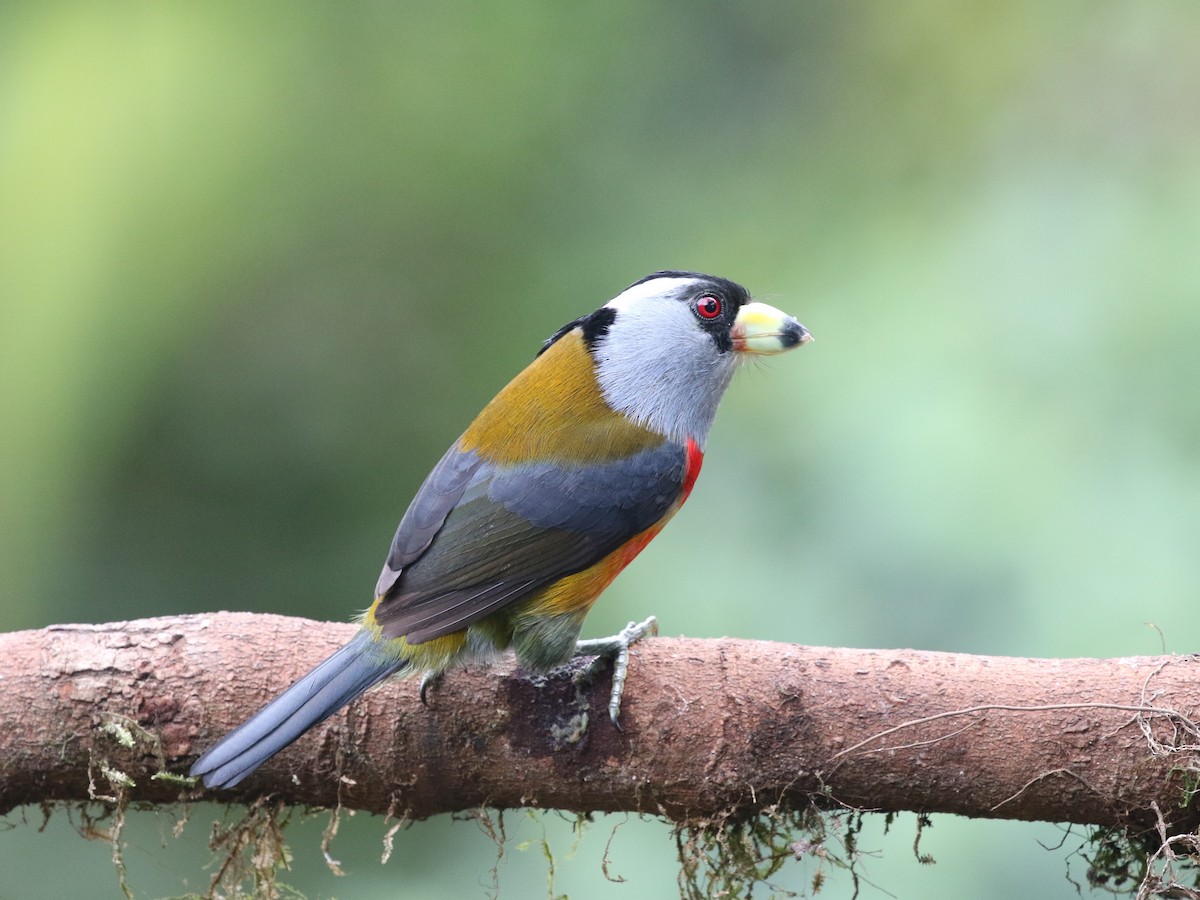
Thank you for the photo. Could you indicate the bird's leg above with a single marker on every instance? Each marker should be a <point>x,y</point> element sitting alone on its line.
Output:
<point>615,648</point>
<point>430,678</point>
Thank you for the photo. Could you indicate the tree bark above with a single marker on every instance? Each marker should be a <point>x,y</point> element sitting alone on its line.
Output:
<point>710,728</point>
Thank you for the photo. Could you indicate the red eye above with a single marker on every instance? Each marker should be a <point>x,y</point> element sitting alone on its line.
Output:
<point>708,307</point>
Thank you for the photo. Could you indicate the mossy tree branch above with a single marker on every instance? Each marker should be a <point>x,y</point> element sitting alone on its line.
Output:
<point>711,728</point>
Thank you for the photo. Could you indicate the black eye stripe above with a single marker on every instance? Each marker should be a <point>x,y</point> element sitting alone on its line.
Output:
<point>729,297</point>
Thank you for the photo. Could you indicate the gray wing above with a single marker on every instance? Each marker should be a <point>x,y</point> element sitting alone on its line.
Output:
<point>506,531</point>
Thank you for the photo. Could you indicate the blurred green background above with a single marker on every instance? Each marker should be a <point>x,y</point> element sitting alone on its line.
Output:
<point>260,264</point>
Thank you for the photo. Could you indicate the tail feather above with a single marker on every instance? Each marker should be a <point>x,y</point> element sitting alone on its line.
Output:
<point>315,697</point>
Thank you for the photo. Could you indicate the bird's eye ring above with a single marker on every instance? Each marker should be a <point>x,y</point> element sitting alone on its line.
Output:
<point>708,307</point>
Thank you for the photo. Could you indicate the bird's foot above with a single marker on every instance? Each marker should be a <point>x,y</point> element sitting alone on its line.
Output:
<point>429,679</point>
<point>615,648</point>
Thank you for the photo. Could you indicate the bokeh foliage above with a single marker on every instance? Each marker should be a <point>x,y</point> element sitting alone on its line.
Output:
<point>260,264</point>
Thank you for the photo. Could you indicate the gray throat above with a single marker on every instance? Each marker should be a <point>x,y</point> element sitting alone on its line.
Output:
<point>670,389</point>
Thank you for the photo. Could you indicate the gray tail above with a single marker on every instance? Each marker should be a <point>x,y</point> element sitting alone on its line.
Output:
<point>312,699</point>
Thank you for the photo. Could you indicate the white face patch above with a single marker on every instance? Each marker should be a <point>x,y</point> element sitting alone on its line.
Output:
<point>658,365</point>
<point>656,287</point>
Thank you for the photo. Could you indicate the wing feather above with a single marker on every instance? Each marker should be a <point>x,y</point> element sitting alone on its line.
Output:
<point>507,531</point>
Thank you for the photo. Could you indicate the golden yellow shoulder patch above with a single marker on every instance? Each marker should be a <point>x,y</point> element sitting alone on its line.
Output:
<point>554,411</point>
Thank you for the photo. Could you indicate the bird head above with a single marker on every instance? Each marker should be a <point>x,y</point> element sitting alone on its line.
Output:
<point>667,346</point>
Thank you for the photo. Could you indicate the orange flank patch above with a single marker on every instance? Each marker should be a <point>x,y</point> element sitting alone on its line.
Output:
<point>576,593</point>
<point>628,551</point>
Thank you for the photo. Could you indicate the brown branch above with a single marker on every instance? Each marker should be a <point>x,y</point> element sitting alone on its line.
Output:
<point>710,727</point>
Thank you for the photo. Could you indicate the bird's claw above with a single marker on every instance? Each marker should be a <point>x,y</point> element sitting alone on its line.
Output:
<point>615,648</point>
<point>429,679</point>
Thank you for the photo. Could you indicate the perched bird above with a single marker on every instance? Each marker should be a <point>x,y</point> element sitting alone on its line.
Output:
<point>554,488</point>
